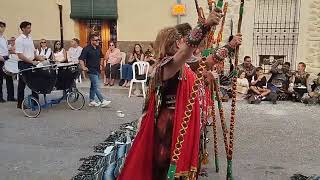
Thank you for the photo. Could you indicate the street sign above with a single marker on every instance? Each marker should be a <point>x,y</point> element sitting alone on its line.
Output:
<point>179,10</point>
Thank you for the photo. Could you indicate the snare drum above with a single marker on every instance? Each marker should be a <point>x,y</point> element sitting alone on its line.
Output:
<point>40,79</point>
<point>11,67</point>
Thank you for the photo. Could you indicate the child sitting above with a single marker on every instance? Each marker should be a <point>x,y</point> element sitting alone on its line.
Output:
<point>242,85</point>
<point>259,84</point>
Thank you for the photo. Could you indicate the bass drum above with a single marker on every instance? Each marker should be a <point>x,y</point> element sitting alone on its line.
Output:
<point>67,74</point>
<point>40,79</point>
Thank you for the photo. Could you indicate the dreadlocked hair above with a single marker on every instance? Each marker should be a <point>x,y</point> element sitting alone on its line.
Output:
<point>165,44</point>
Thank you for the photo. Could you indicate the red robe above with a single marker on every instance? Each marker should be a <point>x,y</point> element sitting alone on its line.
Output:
<point>139,162</point>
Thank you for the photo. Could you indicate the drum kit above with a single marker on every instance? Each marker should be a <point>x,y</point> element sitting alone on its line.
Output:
<point>46,77</point>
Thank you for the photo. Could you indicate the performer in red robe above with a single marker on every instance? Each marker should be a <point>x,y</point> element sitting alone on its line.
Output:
<point>169,91</point>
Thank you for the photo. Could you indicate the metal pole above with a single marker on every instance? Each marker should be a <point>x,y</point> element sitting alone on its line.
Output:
<point>61,24</point>
<point>179,16</point>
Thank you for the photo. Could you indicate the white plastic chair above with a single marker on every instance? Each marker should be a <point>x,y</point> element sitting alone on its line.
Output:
<point>143,68</point>
<point>123,61</point>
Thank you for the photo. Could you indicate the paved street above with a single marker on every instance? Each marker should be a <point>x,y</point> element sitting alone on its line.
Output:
<point>272,141</point>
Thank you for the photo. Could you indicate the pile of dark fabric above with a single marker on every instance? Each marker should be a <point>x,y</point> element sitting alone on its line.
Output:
<point>302,177</point>
<point>110,155</point>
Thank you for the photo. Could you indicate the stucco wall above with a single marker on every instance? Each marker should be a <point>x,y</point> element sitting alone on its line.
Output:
<point>43,14</point>
<point>140,20</point>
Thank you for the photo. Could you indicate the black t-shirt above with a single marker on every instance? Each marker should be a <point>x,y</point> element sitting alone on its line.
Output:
<point>262,83</point>
<point>92,56</point>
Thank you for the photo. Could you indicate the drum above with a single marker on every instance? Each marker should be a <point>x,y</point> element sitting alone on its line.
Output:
<point>67,73</point>
<point>40,79</point>
<point>11,67</point>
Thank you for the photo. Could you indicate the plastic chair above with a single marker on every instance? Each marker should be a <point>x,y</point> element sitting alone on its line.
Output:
<point>143,68</point>
<point>123,61</point>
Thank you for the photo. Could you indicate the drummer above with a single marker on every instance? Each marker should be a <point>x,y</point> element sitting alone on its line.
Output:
<point>27,57</point>
<point>4,55</point>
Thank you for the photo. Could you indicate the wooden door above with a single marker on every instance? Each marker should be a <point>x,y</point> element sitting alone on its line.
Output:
<point>99,27</point>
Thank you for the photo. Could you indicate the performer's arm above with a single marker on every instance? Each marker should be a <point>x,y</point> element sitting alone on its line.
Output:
<point>192,42</point>
<point>218,55</point>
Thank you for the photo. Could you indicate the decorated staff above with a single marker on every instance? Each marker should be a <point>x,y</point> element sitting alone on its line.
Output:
<point>234,98</point>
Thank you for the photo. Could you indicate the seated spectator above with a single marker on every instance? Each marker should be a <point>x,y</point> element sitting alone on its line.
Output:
<point>259,84</point>
<point>300,82</point>
<point>59,53</point>
<point>279,80</point>
<point>149,57</point>
<point>247,67</point>
<point>44,51</point>
<point>127,73</point>
<point>313,97</point>
<point>242,84</point>
<point>112,62</point>
<point>74,51</point>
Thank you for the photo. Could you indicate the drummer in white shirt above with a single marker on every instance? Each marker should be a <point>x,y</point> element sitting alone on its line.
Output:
<point>27,57</point>
<point>74,51</point>
<point>4,55</point>
<point>44,50</point>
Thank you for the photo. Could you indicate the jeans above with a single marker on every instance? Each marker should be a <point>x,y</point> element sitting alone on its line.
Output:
<point>127,73</point>
<point>95,87</point>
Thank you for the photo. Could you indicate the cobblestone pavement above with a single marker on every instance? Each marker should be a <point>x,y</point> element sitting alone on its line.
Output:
<point>272,141</point>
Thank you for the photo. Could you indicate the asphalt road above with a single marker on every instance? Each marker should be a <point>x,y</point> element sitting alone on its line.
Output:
<point>272,141</point>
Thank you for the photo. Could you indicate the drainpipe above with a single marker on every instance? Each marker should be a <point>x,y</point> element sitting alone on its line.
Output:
<point>61,22</point>
<point>179,16</point>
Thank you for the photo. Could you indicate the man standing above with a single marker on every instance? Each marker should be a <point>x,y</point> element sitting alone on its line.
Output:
<point>74,51</point>
<point>92,56</point>
<point>27,57</point>
<point>4,55</point>
<point>247,67</point>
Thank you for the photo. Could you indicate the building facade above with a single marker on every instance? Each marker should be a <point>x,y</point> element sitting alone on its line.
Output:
<point>272,29</point>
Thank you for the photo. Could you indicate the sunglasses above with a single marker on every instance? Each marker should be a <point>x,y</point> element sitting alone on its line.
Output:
<point>43,42</point>
<point>96,40</point>
<point>111,44</point>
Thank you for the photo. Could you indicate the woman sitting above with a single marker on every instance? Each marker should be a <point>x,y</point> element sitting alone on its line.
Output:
<point>127,73</point>
<point>59,53</point>
<point>242,85</point>
<point>259,84</point>
<point>44,51</point>
<point>112,61</point>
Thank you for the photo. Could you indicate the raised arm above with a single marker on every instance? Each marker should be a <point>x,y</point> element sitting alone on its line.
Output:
<point>191,43</point>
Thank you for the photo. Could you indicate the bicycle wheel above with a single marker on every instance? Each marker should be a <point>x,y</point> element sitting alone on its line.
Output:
<point>75,100</point>
<point>31,107</point>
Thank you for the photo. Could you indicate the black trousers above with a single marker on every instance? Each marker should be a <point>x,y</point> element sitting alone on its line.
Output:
<point>22,85</point>
<point>9,83</point>
<point>112,71</point>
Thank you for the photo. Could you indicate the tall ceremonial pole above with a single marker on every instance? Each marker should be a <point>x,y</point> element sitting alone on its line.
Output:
<point>234,98</point>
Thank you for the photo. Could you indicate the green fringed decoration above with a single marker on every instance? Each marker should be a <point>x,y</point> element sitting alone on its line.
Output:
<point>220,4</point>
<point>206,52</point>
<point>172,171</point>
<point>229,170</point>
<point>235,73</point>
<point>216,160</point>
<point>241,9</point>
<point>219,105</point>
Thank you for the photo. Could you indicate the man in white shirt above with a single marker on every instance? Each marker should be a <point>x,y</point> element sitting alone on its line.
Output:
<point>74,51</point>
<point>4,55</point>
<point>27,57</point>
<point>44,50</point>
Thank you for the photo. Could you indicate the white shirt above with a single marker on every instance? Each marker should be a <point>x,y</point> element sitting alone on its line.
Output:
<point>4,51</point>
<point>73,54</point>
<point>25,46</point>
<point>59,56</point>
<point>44,53</point>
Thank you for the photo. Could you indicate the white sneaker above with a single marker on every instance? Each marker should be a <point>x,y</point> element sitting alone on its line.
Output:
<point>94,104</point>
<point>105,103</point>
